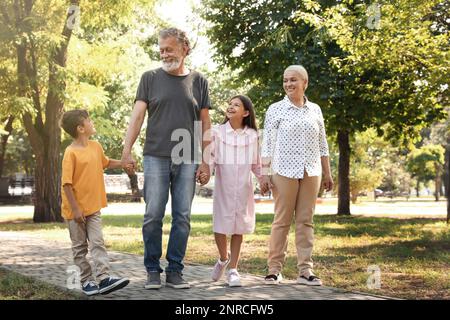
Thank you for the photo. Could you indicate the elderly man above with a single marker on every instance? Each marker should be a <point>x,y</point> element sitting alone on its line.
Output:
<point>175,99</point>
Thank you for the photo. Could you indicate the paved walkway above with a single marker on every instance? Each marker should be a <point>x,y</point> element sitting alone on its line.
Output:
<point>48,260</point>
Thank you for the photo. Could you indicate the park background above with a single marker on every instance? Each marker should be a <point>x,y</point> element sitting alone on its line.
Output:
<point>379,71</point>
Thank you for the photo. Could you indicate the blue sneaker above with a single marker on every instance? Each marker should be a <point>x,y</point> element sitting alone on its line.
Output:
<point>90,288</point>
<point>111,284</point>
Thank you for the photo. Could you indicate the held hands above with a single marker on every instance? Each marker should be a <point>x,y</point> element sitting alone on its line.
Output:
<point>129,169</point>
<point>128,163</point>
<point>202,179</point>
<point>202,176</point>
<point>266,185</point>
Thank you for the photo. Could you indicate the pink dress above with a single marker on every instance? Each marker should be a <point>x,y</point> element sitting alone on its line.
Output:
<point>234,156</point>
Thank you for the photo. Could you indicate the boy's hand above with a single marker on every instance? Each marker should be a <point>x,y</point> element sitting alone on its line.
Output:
<point>128,161</point>
<point>79,217</point>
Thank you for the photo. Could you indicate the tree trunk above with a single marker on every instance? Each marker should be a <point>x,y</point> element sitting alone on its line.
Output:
<point>344,172</point>
<point>446,173</point>
<point>354,197</point>
<point>441,187</point>
<point>4,142</point>
<point>417,188</point>
<point>135,193</point>
<point>448,192</point>
<point>45,139</point>
<point>47,193</point>
<point>437,183</point>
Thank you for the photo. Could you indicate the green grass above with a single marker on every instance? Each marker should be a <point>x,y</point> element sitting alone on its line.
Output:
<point>14,286</point>
<point>412,253</point>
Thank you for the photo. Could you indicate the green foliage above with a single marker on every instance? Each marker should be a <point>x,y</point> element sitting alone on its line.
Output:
<point>104,62</point>
<point>425,163</point>
<point>361,78</point>
<point>402,66</point>
<point>104,78</point>
<point>366,169</point>
<point>223,84</point>
<point>19,155</point>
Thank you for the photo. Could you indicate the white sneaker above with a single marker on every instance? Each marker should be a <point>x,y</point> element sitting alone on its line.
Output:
<point>312,280</point>
<point>273,278</point>
<point>233,278</point>
<point>219,269</point>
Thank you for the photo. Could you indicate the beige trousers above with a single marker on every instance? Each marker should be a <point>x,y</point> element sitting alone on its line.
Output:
<point>89,235</point>
<point>293,197</point>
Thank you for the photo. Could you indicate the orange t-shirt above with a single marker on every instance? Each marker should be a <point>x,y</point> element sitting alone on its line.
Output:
<point>83,169</point>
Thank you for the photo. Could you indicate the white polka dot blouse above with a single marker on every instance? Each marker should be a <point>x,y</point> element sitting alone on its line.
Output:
<point>294,139</point>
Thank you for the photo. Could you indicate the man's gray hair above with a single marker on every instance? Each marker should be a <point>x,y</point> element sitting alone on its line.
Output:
<point>178,34</point>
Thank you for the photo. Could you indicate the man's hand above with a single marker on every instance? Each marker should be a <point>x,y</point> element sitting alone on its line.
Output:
<point>128,163</point>
<point>134,127</point>
<point>328,182</point>
<point>78,216</point>
<point>129,169</point>
<point>266,185</point>
<point>202,176</point>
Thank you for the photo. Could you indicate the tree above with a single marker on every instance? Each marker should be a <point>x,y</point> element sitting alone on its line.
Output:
<point>366,165</point>
<point>426,164</point>
<point>40,33</point>
<point>5,134</point>
<point>396,180</point>
<point>19,155</point>
<point>358,80</point>
<point>8,112</point>
<point>110,71</point>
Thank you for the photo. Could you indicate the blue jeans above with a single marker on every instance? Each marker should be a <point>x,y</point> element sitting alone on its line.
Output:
<point>160,176</point>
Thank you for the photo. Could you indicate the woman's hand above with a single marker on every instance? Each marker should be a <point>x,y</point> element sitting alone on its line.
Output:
<point>328,182</point>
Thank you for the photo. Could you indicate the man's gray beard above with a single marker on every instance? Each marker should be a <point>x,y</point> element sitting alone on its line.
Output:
<point>170,66</point>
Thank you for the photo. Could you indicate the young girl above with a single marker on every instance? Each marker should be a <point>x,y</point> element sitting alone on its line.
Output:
<point>235,155</point>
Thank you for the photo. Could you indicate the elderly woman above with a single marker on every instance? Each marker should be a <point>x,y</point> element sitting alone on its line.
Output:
<point>296,150</point>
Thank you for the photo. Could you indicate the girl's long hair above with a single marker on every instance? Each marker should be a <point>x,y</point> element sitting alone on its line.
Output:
<point>250,120</point>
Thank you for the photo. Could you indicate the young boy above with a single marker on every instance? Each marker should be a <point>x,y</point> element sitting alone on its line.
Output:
<point>83,196</point>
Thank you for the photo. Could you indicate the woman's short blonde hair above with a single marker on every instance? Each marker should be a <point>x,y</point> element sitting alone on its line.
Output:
<point>299,69</point>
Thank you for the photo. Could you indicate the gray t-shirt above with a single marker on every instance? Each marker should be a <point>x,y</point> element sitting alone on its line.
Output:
<point>173,102</point>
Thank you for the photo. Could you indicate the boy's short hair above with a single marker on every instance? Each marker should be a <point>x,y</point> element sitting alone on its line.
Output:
<point>72,119</point>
